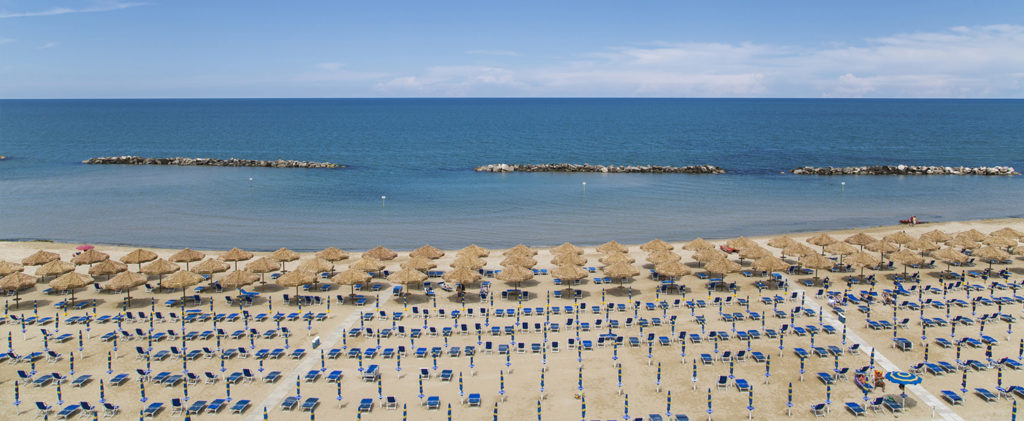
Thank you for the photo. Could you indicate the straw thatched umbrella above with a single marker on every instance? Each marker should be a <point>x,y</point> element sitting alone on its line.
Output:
<point>612,246</point>
<point>515,274</point>
<point>187,256</point>
<point>380,253</point>
<point>999,241</point>
<point>89,257</point>
<point>797,250</point>
<point>182,279</point>
<point>427,252</point>
<point>421,264</point>
<point>840,249</point>
<point>469,262</point>
<point>71,281</point>
<point>351,277</point>
<point>569,273</point>
<point>7,268</point>
<point>781,242</point>
<point>160,267</point>
<point>519,260</point>
<point>621,271</point>
<point>900,238</point>
<point>262,266</point>
<point>1018,251</point>
<point>569,259</point>
<point>972,234</point>
<point>296,278</point>
<point>698,244</point>
<point>659,257</point>
<point>238,279</point>
<point>565,248</point>
<point>40,257</point>
<point>210,267</point>
<point>108,267</point>
<point>962,242</point>
<point>950,256</point>
<point>723,266</point>
<point>614,258</point>
<point>520,250</point>
<point>816,261</point>
<point>937,236</point>
<point>672,269</point>
<point>862,260</point>
<point>316,265</point>
<point>54,268</point>
<point>752,253</point>
<point>906,258</point>
<point>882,247</point>
<point>740,243</point>
<point>860,239</point>
<point>1008,233</point>
<point>284,255</point>
<point>769,264</point>
<point>367,264</point>
<point>709,254</point>
<point>332,254</point>
<point>990,255</point>
<point>822,240</point>
<point>236,255</point>
<point>138,257</point>
<point>656,245</point>
<point>474,250</point>
<point>125,281</point>
<point>17,281</point>
<point>923,245</point>
<point>464,276</point>
<point>407,276</point>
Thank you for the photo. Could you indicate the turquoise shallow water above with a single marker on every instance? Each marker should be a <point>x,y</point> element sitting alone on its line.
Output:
<point>420,154</point>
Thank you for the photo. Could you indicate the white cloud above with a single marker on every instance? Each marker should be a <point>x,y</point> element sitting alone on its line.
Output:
<point>50,44</point>
<point>6,40</point>
<point>506,53</point>
<point>97,7</point>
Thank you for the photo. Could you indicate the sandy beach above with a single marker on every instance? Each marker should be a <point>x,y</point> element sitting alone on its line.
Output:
<point>511,383</point>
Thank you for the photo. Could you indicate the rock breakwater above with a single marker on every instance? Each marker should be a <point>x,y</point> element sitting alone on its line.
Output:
<point>905,170</point>
<point>208,162</point>
<point>590,168</point>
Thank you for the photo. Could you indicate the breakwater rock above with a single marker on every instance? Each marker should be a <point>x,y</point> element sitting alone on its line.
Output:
<point>209,162</point>
<point>649,169</point>
<point>904,170</point>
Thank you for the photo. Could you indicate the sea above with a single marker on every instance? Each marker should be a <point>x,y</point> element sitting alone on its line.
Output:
<point>408,178</point>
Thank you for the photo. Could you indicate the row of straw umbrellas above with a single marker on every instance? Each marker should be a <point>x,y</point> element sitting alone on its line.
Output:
<point>517,264</point>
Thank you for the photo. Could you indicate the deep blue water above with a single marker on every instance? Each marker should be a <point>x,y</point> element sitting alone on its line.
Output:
<point>420,154</point>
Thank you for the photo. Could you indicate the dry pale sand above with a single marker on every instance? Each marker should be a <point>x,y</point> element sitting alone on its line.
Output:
<point>522,378</point>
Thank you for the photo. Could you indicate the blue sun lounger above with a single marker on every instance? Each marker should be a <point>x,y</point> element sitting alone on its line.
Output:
<point>153,409</point>
<point>952,397</point>
<point>855,409</point>
<point>240,406</point>
<point>366,405</point>
<point>310,404</point>
<point>474,399</point>
<point>289,403</point>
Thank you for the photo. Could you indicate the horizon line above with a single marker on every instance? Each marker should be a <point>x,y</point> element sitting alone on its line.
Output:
<point>514,97</point>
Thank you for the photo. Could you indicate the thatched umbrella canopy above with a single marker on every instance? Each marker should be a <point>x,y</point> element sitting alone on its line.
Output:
<point>963,242</point>
<point>351,277</point>
<point>71,281</point>
<point>297,278</point>
<point>797,250</point>
<point>108,267</point>
<point>463,276</point>
<point>900,238</point>
<point>752,253</point>
<point>569,259</point>
<point>125,281</point>
<point>922,245</point>
<point>740,243</point>
<point>40,257</point>
<point>723,266</point>
<point>210,267</point>
<point>515,274</point>
<point>421,264</point>
<point>860,239</point>
<point>769,264</point>
<point>284,255</point>
<point>380,253</point>
<point>709,254</point>
<point>822,240</point>
<point>990,255</point>
<point>882,247</point>
<point>7,268</point>
<point>332,254</point>
<point>1018,251</point>
<point>187,256</point>
<point>906,258</point>
<point>613,258</point>
<point>999,241</point>
<point>238,279</point>
<point>17,281</point>
<point>1008,233</point>
<point>519,260</point>
<point>840,249</point>
<point>427,252</point>
<point>520,250</point>
<point>862,260</point>
<point>672,269</point>
<point>54,268</point>
<point>781,242</point>
<point>937,236</point>
<point>612,246</point>
<point>160,267</point>
<point>89,257</point>
<point>621,271</point>
<point>569,272</point>
<point>565,248</point>
<point>469,262</point>
<point>138,257</point>
<point>972,234</point>
<point>656,245</point>
<point>316,265</point>
<point>816,261</point>
<point>950,256</point>
<point>367,264</point>
<point>660,257</point>
<point>475,251</point>
<point>407,276</point>
<point>236,255</point>
<point>182,279</point>
<point>262,266</point>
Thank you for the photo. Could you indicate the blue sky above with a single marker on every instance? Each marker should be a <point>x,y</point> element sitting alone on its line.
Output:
<point>236,48</point>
